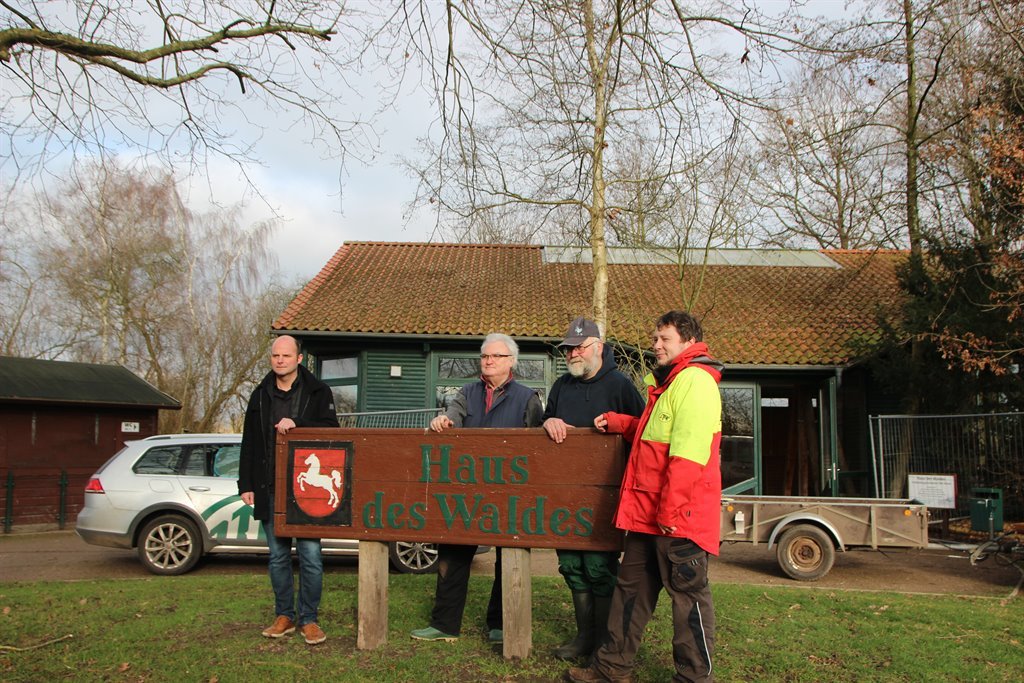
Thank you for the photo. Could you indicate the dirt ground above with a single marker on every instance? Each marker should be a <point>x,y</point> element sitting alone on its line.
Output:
<point>63,556</point>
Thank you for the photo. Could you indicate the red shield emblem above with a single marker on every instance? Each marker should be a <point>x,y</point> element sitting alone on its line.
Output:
<point>319,484</point>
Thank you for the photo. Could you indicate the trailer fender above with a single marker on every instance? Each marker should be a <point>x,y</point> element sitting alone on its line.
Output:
<point>806,517</point>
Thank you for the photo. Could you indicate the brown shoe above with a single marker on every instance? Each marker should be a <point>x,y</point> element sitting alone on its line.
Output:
<point>313,634</point>
<point>281,627</point>
<point>579,674</point>
<point>588,675</point>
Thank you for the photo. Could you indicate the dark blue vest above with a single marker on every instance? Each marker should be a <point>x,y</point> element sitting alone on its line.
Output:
<point>507,410</point>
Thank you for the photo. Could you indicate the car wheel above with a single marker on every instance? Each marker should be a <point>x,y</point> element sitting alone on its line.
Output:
<point>411,557</point>
<point>805,553</point>
<point>169,545</point>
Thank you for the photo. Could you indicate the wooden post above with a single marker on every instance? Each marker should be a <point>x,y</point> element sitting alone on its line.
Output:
<point>373,595</point>
<point>516,603</point>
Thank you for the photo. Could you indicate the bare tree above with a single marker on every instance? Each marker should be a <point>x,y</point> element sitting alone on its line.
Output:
<point>33,323</point>
<point>25,309</point>
<point>917,52</point>
<point>185,300</point>
<point>539,101</point>
<point>827,173</point>
<point>952,70</point>
<point>978,247</point>
<point>178,78</point>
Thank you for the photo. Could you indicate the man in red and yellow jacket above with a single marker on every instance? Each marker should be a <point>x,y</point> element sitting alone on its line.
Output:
<point>669,506</point>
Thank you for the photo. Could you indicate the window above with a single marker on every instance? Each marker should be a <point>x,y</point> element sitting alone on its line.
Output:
<point>213,460</point>
<point>739,473</point>
<point>531,371</point>
<point>198,460</point>
<point>341,374</point>
<point>225,461</point>
<point>159,460</point>
<point>195,466</point>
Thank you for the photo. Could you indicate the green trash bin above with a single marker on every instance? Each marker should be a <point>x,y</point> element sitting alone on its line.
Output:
<point>987,510</point>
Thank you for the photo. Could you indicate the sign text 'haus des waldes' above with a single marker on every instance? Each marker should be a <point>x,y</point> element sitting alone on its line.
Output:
<point>499,487</point>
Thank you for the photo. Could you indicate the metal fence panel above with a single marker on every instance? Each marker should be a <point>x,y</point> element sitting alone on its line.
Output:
<point>982,450</point>
<point>389,419</point>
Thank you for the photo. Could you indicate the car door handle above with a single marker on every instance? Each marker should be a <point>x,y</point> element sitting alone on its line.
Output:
<point>201,489</point>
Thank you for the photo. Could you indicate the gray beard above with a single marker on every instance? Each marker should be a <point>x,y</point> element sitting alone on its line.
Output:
<point>577,369</point>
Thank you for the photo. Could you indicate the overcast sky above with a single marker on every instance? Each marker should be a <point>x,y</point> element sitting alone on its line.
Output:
<point>318,210</point>
<point>318,205</point>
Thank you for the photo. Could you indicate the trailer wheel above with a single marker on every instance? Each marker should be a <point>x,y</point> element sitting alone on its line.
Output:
<point>805,552</point>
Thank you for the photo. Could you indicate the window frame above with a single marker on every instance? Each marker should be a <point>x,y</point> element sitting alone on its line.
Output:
<point>355,381</point>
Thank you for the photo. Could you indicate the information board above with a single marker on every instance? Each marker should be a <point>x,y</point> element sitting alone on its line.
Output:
<point>934,490</point>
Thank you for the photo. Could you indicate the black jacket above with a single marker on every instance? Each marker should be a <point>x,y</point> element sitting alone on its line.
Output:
<point>578,401</point>
<point>313,406</point>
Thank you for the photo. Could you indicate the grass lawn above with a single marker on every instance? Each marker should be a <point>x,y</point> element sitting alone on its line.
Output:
<point>206,628</point>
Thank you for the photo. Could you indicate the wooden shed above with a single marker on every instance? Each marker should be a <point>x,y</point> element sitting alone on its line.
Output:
<point>59,422</point>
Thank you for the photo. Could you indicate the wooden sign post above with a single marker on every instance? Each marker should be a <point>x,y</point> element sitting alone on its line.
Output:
<point>509,488</point>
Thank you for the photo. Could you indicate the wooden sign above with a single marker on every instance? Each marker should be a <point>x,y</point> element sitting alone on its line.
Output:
<point>499,487</point>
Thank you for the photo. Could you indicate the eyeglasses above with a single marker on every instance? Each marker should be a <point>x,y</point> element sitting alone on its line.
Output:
<point>573,349</point>
<point>494,356</point>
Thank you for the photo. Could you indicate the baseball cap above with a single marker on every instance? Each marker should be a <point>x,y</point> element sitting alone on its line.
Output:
<point>579,330</point>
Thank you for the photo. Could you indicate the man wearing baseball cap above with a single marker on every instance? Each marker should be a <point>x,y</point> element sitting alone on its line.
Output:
<point>592,386</point>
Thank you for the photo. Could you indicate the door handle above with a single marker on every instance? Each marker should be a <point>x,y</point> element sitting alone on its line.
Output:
<point>199,489</point>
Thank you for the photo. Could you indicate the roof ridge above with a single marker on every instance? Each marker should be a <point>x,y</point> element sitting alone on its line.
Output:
<point>450,245</point>
<point>501,245</point>
<point>879,250</point>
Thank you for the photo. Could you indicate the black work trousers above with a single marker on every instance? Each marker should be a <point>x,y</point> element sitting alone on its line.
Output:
<point>649,564</point>
<point>453,567</point>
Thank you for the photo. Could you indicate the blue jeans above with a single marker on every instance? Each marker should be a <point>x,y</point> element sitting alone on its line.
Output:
<point>311,575</point>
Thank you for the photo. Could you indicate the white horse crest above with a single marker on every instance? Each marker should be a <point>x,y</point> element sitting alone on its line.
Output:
<point>313,477</point>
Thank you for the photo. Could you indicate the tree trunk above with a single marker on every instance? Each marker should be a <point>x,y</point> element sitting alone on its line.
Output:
<point>598,244</point>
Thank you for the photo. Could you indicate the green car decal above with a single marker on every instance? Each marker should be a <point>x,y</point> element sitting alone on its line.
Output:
<point>243,514</point>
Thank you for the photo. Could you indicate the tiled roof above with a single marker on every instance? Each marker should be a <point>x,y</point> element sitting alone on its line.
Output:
<point>756,314</point>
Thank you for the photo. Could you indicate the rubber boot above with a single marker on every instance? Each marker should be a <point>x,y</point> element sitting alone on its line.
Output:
<point>583,644</point>
<point>602,607</point>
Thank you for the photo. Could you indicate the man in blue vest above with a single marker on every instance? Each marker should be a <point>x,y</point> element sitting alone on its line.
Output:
<point>495,401</point>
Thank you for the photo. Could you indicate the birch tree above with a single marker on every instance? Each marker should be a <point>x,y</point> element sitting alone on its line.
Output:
<point>539,101</point>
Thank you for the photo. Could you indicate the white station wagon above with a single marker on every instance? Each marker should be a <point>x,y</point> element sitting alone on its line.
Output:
<point>175,499</point>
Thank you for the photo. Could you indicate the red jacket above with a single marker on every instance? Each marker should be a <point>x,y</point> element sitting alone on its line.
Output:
<point>673,477</point>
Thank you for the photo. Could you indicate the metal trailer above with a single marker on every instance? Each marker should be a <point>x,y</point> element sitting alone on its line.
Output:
<point>807,531</point>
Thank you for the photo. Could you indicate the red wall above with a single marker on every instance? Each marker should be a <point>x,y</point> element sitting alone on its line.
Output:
<point>74,440</point>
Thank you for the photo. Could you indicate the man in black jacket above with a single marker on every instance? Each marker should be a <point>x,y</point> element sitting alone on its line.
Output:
<point>590,388</point>
<point>288,397</point>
